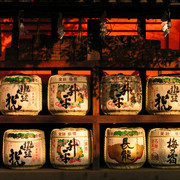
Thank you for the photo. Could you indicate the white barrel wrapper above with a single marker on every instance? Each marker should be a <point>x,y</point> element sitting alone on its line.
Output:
<point>70,148</point>
<point>163,95</point>
<point>68,95</point>
<point>21,95</point>
<point>164,147</point>
<point>24,149</point>
<point>125,148</point>
<point>121,95</point>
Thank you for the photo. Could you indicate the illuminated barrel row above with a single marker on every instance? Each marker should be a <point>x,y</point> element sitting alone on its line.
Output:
<point>22,95</point>
<point>70,95</point>
<point>125,148</point>
<point>71,148</point>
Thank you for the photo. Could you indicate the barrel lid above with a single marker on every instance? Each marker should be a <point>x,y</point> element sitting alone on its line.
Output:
<point>164,79</point>
<point>65,78</point>
<point>125,131</point>
<point>70,132</point>
<point>164,132</point>
<point>120,78</point>
<point>20,78</point>
<point>23,134</point>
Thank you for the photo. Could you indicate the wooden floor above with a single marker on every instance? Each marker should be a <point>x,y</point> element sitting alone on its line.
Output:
<point>105,174</point>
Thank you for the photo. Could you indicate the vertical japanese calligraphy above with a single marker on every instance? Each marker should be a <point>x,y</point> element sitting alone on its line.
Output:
<point>24,149</point>
<point>163,145</point>
<point>70,148</point>
<point>172,145</point>
<point>21,95</point>
<point>125,148</point>
<point>68,94</point>
<point>121,94</point>
<point>162,95</point>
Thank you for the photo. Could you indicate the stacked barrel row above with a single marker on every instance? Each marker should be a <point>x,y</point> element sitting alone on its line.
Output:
<point>124,148</point>
<point>71,148</point>
<point>70,95</point>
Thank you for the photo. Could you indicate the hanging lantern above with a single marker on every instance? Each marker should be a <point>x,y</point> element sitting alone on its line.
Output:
<point>125,148</point>
<point>24,149</point>
<point>121,95</point>
<point>70,148</point>
<point>68,95</point>
<point>164,147</point>
<point>162,95</point>
<point>21,95</point>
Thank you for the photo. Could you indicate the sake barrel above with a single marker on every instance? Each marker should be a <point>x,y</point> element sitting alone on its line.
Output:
<point>125,148</point>
<point>164,147</point>
<point>23,148</point>
<point>162,95</point>
<point>68,95</point>
<point>21,95</point>
<point>121,95</point>
<point>70,148</point>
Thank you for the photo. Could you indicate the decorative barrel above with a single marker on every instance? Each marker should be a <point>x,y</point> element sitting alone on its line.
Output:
<point>121,95</point>
<point>164,147</point>
<point>21,95</point>
<point>162,95</point>
<point>125,148</point>
<point>24,149</point>
<point>70,148</point>
<point>68,95</point>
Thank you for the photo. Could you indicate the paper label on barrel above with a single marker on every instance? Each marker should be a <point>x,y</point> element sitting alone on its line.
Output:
<point>68,96</point>
<point>23,153</point>
<point>165,148</point>
<point>70,151</point>
<point>163,97</point>
<point>121,96</point>
<point>125,149</point>
<point>22,97</point>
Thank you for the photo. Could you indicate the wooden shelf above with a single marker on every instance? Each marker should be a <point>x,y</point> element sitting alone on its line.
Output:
<point>56,174</point>
<point>51,119</point>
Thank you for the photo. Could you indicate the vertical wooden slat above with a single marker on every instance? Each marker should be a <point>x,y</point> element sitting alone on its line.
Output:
<point>95,90</point>
<point>15,32</point>
<point>142,26</point>
<point>96,112</point>
<point>54,71</point>
<point>96,145</point>
<point>142,75</point>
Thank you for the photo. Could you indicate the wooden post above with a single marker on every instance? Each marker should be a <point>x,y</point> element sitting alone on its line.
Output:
<point>142,74</point>
<point>15,32</point>
<point>96,125</point>
<point>142,26</point>
<point>95,89</point>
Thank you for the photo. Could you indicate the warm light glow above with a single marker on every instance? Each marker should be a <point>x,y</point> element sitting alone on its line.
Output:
<point>156,73</point>
<point>117,27</point>
<point>124,72</point>
<point>75,72</point>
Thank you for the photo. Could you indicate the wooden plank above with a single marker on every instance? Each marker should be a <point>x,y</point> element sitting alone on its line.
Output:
<point>139,119</point>
<point>95,90</point>
<point>96,146</point>
<point>46,119</point>
<point>106,174</point>
<point>51,119</point>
